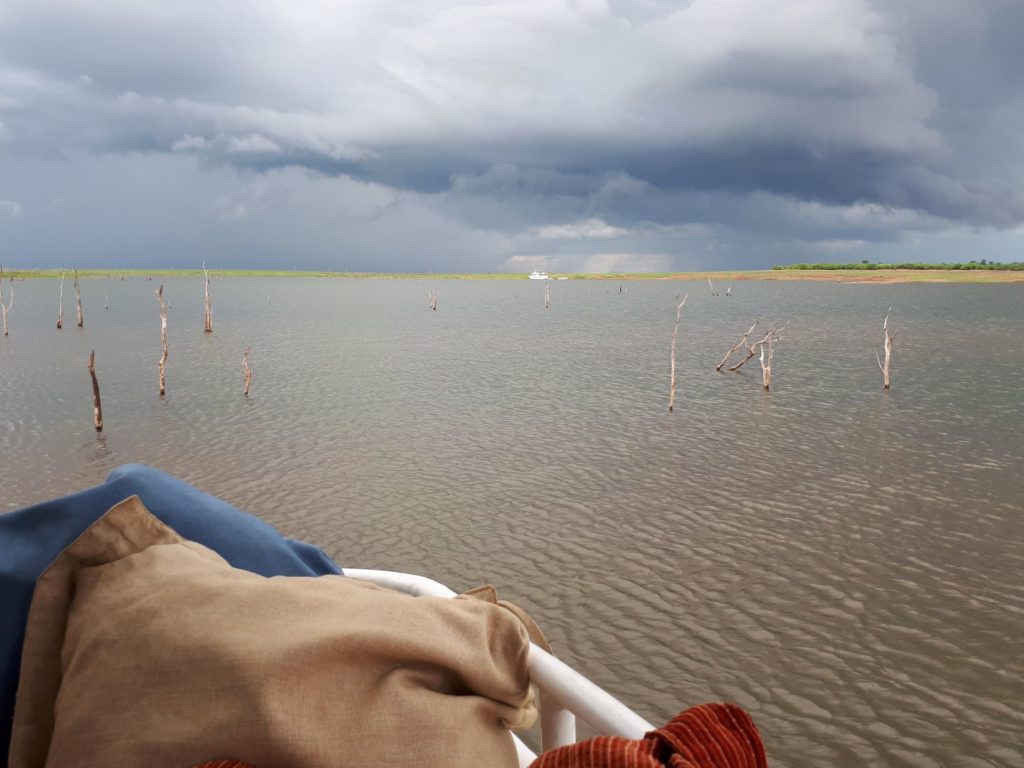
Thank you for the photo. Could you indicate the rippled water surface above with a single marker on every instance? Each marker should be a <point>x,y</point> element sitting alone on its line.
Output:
<point>846,563</point>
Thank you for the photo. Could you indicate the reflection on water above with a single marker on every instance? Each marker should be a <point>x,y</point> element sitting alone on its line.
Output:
<point>844,562</point>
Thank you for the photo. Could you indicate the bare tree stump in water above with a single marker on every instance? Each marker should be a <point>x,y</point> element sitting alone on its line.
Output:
<point>547,295</point>
<point>10,305</point>
<point>741,343</point>
<point>248,373</point>
<point>766,360</point>
<point>163,340</point>
<point>432,295</point>
<point>889,339</point>
<point>60,304</point>
<point>78,301</point>
<point>675,333</point>
<point>97,409</point>
<point>208,319</point>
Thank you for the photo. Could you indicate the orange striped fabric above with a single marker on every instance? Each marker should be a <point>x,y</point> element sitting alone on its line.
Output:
<point>708,736</point>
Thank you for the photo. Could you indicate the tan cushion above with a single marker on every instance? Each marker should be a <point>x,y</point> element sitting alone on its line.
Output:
<point>144,649</point>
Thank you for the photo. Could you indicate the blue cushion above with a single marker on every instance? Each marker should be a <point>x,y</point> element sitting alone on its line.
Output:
<point>32,538</point>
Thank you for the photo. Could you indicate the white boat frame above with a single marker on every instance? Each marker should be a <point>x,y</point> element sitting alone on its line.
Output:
<point>565,694</point>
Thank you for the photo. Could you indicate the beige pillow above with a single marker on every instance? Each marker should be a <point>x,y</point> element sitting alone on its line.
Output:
<point>145,649</point>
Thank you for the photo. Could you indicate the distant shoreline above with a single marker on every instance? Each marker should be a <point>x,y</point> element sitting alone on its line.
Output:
<point>829,275</point>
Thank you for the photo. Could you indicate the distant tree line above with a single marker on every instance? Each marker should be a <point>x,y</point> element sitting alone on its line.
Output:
<point>1015,266</point>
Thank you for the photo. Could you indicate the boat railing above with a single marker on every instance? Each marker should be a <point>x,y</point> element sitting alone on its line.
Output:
<point>565,694</point>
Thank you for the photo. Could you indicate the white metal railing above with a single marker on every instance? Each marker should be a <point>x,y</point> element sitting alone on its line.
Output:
<point>565,694</point>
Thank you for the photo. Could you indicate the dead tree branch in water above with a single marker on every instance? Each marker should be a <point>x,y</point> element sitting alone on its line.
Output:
<point>752,349</point>
<point>208,319</point>
<point>10,305</point>
<point>248,373</point>
<point>432,294</point>
<point>97,409</point>
<point>78,301</point>
<point>741,343</point>
<point>60,304</point>
<point>163,339</point>
<point>675,334</point>
<point>889,339</point>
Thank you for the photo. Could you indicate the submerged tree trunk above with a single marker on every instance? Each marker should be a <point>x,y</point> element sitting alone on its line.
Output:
<point>208,319</point>
<point>675,334</point>
<point>248,373</point>
<point>78,301</point>
<point>163,340</point>
<point>889,339</point>
<point>60,304</point>
<point>10,305</point>
<point>766,362</point>
<point>97,409</point>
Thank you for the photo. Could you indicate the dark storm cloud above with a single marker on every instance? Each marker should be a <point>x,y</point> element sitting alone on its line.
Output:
<point>530,130</point>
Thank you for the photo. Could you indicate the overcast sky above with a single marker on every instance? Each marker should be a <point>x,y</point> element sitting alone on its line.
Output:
<point>572,135</point>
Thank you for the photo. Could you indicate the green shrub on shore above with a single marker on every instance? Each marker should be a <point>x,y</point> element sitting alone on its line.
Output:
<point>1015,266</point>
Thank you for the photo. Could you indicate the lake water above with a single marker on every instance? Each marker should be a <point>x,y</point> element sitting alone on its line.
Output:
<point>846,563</point>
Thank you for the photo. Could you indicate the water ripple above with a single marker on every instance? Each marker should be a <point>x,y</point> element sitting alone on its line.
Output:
<point>843,562</point>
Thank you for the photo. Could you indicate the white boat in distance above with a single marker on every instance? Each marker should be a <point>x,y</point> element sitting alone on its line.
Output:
<point>535,275</point>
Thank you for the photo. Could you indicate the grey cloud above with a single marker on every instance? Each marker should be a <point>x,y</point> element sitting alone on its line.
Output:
<point>510,198</point>
<point>10,209</point>
<point>837,124</point>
